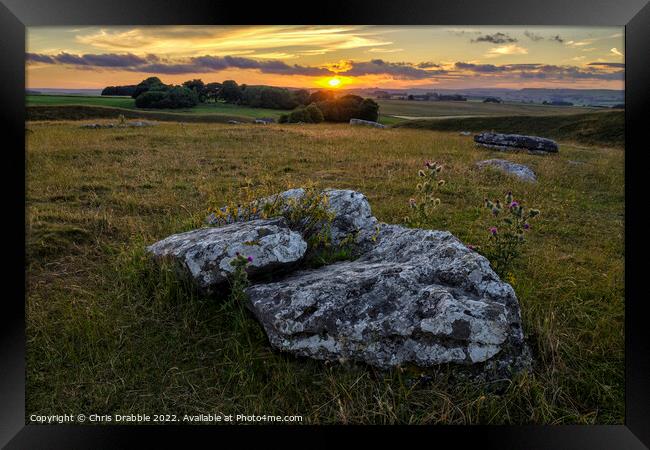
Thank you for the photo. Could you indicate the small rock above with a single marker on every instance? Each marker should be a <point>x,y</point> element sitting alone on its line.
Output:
<point>500,141</point>
<point>205,254</point>
<point>465,133</point>
<point>519,170</point>
<point>139,123</point>
<point>368,123</point>
<point>264,121</point>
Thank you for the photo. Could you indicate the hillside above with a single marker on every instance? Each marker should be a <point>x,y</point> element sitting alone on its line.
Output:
<point>601,128</point>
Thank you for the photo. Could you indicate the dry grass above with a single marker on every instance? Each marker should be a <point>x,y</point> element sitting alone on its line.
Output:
<point>106,335</point>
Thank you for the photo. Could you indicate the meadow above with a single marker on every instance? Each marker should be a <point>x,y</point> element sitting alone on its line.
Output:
<point>106,333</point>
<point>391,111</point>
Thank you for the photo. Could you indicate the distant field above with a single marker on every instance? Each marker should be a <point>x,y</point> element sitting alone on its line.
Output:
<point>129,103</point>
<point>605,128</point>
<point>391,111</point>
<point>437,109</point>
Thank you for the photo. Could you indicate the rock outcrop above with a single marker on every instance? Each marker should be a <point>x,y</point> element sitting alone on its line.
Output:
<point>501,141</point>
<point>367,123</point>
<point>519,170</point>
<point>413,296</point>
<point>205,254</point>
<point>351,212</point>
<point>418,297</point>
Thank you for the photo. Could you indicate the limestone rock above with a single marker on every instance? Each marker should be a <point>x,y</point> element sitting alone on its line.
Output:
<point>368,123</point>
<point>519,170</point>
<point>205,254</point>
<point>418,296</point>
<point>501,141</point>
<point>351,210</point>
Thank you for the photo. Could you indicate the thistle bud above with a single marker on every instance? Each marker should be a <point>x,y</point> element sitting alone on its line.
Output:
<point>533,212</point>
<point>509,197</point>
<point>436,201</point>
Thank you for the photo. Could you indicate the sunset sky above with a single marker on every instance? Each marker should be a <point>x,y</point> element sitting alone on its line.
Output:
<point>310,56</point>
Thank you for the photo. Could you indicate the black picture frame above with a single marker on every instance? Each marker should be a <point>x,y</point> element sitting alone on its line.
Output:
<point>15,15</point>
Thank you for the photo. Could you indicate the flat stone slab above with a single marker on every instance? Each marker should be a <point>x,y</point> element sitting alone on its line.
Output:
<point>519,170</point>
<point>205,254</point>
<point>419,296</point>
<point>367,123</point>
<point>501,141</point>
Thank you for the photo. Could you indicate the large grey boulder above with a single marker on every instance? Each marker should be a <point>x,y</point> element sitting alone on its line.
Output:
<point>367,123</point>
<point>351,212</point>
<point>519,170</point>
<point>205,254</point>
<point>418,296</point>
<point>501,141</point>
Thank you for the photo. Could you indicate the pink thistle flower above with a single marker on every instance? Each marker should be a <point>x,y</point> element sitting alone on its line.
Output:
<point>250,259</point>
<point>514,204</point>
<point>493,230</point>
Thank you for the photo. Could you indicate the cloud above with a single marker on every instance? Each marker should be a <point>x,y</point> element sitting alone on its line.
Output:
<point>479,68</point>
<point>428,65</point>
<point>616,52</point>
<point>154,64</point>
<point>221,41</point>
<point>427,70</point>
<point>538,37</point>
<point>103,60</point>
<point>400,71</point>
<point>511,49</point>
<point>496,38</point>
<point>385,50</point>
<point>545,71</point>
<point>606,64</point>
<point>532,36</point>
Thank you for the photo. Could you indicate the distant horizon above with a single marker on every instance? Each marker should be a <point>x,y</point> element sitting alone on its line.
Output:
<point>377,88</point>
<point>342,56</point>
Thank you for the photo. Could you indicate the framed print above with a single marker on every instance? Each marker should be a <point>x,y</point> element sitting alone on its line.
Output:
<point>421,216</point>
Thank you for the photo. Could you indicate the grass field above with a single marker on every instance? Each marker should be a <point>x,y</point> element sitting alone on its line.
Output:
<point>129,103</point>
<point>605,128</point>
<point>391,111</point>
<point>441,109</point>
<point>107,335</point>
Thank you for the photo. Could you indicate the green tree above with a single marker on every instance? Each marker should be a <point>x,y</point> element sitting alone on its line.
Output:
<point>315,114</point>
<point>321,96</point>
<point>369,110</point>
<point>230,92</point>
<point>197,86</point>
<point>150,84</point>
<point>212,91</point>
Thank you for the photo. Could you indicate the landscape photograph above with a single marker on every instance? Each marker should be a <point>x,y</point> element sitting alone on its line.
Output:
<point>325,225</point>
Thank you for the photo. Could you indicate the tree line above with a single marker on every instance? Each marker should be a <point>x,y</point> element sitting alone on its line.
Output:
<point>306,107</point>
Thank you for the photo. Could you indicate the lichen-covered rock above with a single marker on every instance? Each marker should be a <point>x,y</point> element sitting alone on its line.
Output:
<point>351,212</point>
<point>205,254</point>
<point>519,170</point>
<point>418,296</point>
<point>367,123</point>
<point>501,141</point>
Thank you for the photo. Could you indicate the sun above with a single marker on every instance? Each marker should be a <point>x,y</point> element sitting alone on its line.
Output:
<point>334,82</point>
